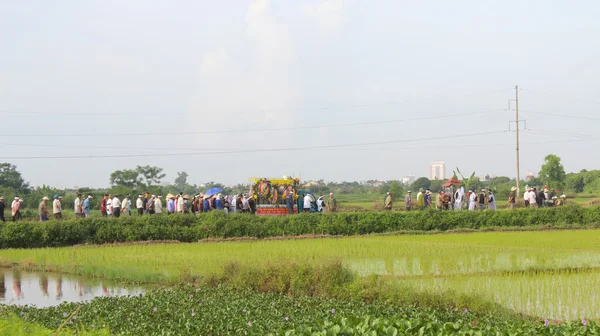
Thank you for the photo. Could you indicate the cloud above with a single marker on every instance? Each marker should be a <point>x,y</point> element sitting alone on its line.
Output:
<point>214,61</point>
<point>329,14</point>
<point>255,79</point>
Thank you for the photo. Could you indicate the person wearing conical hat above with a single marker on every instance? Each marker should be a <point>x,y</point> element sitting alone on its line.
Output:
<point>512,198</point>
<point>43,209</point>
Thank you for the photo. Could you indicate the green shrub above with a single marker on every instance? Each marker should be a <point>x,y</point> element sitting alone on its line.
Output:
<point>190,228</point>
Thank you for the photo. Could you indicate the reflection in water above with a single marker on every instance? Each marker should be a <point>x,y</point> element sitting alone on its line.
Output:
<point>2,286</point>
<point>34,288</point>
<point>58,288</point>
<point>17,285</point>
<point>44,284</point>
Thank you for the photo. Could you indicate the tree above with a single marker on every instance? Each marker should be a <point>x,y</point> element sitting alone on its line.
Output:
<point>436,185</point>
<point>152,175</point>
<point>11,178</point>
<point>181,180</point>
<point>421,183</point>
<point>575,182</point>
<point>395,189</point>
<point>129,178</point>
<point>553,172</point>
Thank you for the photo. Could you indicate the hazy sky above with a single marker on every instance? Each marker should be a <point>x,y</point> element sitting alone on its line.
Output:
<point>136,77</point>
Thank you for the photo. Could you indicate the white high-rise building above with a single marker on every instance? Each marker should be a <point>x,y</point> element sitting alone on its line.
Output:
<point>438,170</point>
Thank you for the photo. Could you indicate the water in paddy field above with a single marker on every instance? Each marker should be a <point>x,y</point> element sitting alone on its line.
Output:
<point>50,289</point>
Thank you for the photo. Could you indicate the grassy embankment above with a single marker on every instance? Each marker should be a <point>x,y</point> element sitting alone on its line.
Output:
<point>440,271</point>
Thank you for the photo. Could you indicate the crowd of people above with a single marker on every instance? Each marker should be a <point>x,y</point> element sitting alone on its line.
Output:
<point>471,200</point>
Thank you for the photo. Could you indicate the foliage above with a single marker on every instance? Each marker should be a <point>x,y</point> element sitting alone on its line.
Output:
<point>553,172</point>
<point>187,310</point>
<point>152,175</point>
<point>181,180</point>
<point>10,177</point>
<point>215,224</point>
<point>129,178</point>
<point>396,189</point>
<point>421,183</point>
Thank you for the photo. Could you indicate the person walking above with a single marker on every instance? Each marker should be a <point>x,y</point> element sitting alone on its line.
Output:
<point>252,205</point>
<point>512,197</point>
<point>219,202</point>
<point>541,198</point>
<point>206,204</point>
<point>2,208</point>
<point>408,201</point>
<point>87,206</point>
<point>43,209</point>
<point>439,201</point>
<point>151,205</point>
<point>16,209</point>
<point>103,206</point>
<point>157,205</point>
<point>77,206</point>
<point>427,199</point>
<point>109,207</point>
<point>289,200</point>
<point>472,200</point>
<point>421,199</point>
<point>491,201</point>
<point>481,200</point>
<point>126,207</point>
<point>179,203</point>
<point>116,206</point>
<point>331,203</point>
<point>307,202</point>
<point>170,204</point>
<point>147,197</point>
<point>139,204</point>
<point>388,201</point>
<point>56,207</point>
<point>533,198</point>
<point>320,204</point>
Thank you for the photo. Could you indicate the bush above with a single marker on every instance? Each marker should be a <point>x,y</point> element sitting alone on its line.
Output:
<point>190,228</point>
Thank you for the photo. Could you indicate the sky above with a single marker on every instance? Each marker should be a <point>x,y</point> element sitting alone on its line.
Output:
<point>340,90</point>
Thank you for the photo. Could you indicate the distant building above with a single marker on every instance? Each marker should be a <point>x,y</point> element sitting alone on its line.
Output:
<point>374,183</point>
<point>529,176</point>
<point>311,183</point>
<point>438,171</point>
<point>408,180</point>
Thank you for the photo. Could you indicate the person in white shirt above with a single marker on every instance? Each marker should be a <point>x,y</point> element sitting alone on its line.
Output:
<point>56,207</point>
<point>180,203</point>
<point>77,206</point>
<point>533,198</point>
<point>472,200</point>
<point>109,207</point>
<point>158,205</point>
<point>307,203</point>
<point>526,198</point>
<point>320,203</point>
<point>139,204</point>
<point>234,204</point>
<point>245,204</point>
<point>116,206</point>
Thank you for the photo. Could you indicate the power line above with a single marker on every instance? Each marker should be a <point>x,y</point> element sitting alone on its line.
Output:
<point>555,133</point>
<point>256,130</point>
<point>560,96</point>
<point>561,115</point>
<point>249,151</point>
<point>237,112</point>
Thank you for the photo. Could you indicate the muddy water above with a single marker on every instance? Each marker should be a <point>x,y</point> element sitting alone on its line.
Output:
<point>49,289</point>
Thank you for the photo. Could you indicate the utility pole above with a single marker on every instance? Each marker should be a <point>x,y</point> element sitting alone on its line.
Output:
<point>517,122</point>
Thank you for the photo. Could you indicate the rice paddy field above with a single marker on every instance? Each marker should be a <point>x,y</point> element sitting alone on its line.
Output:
<point>546,274</point>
